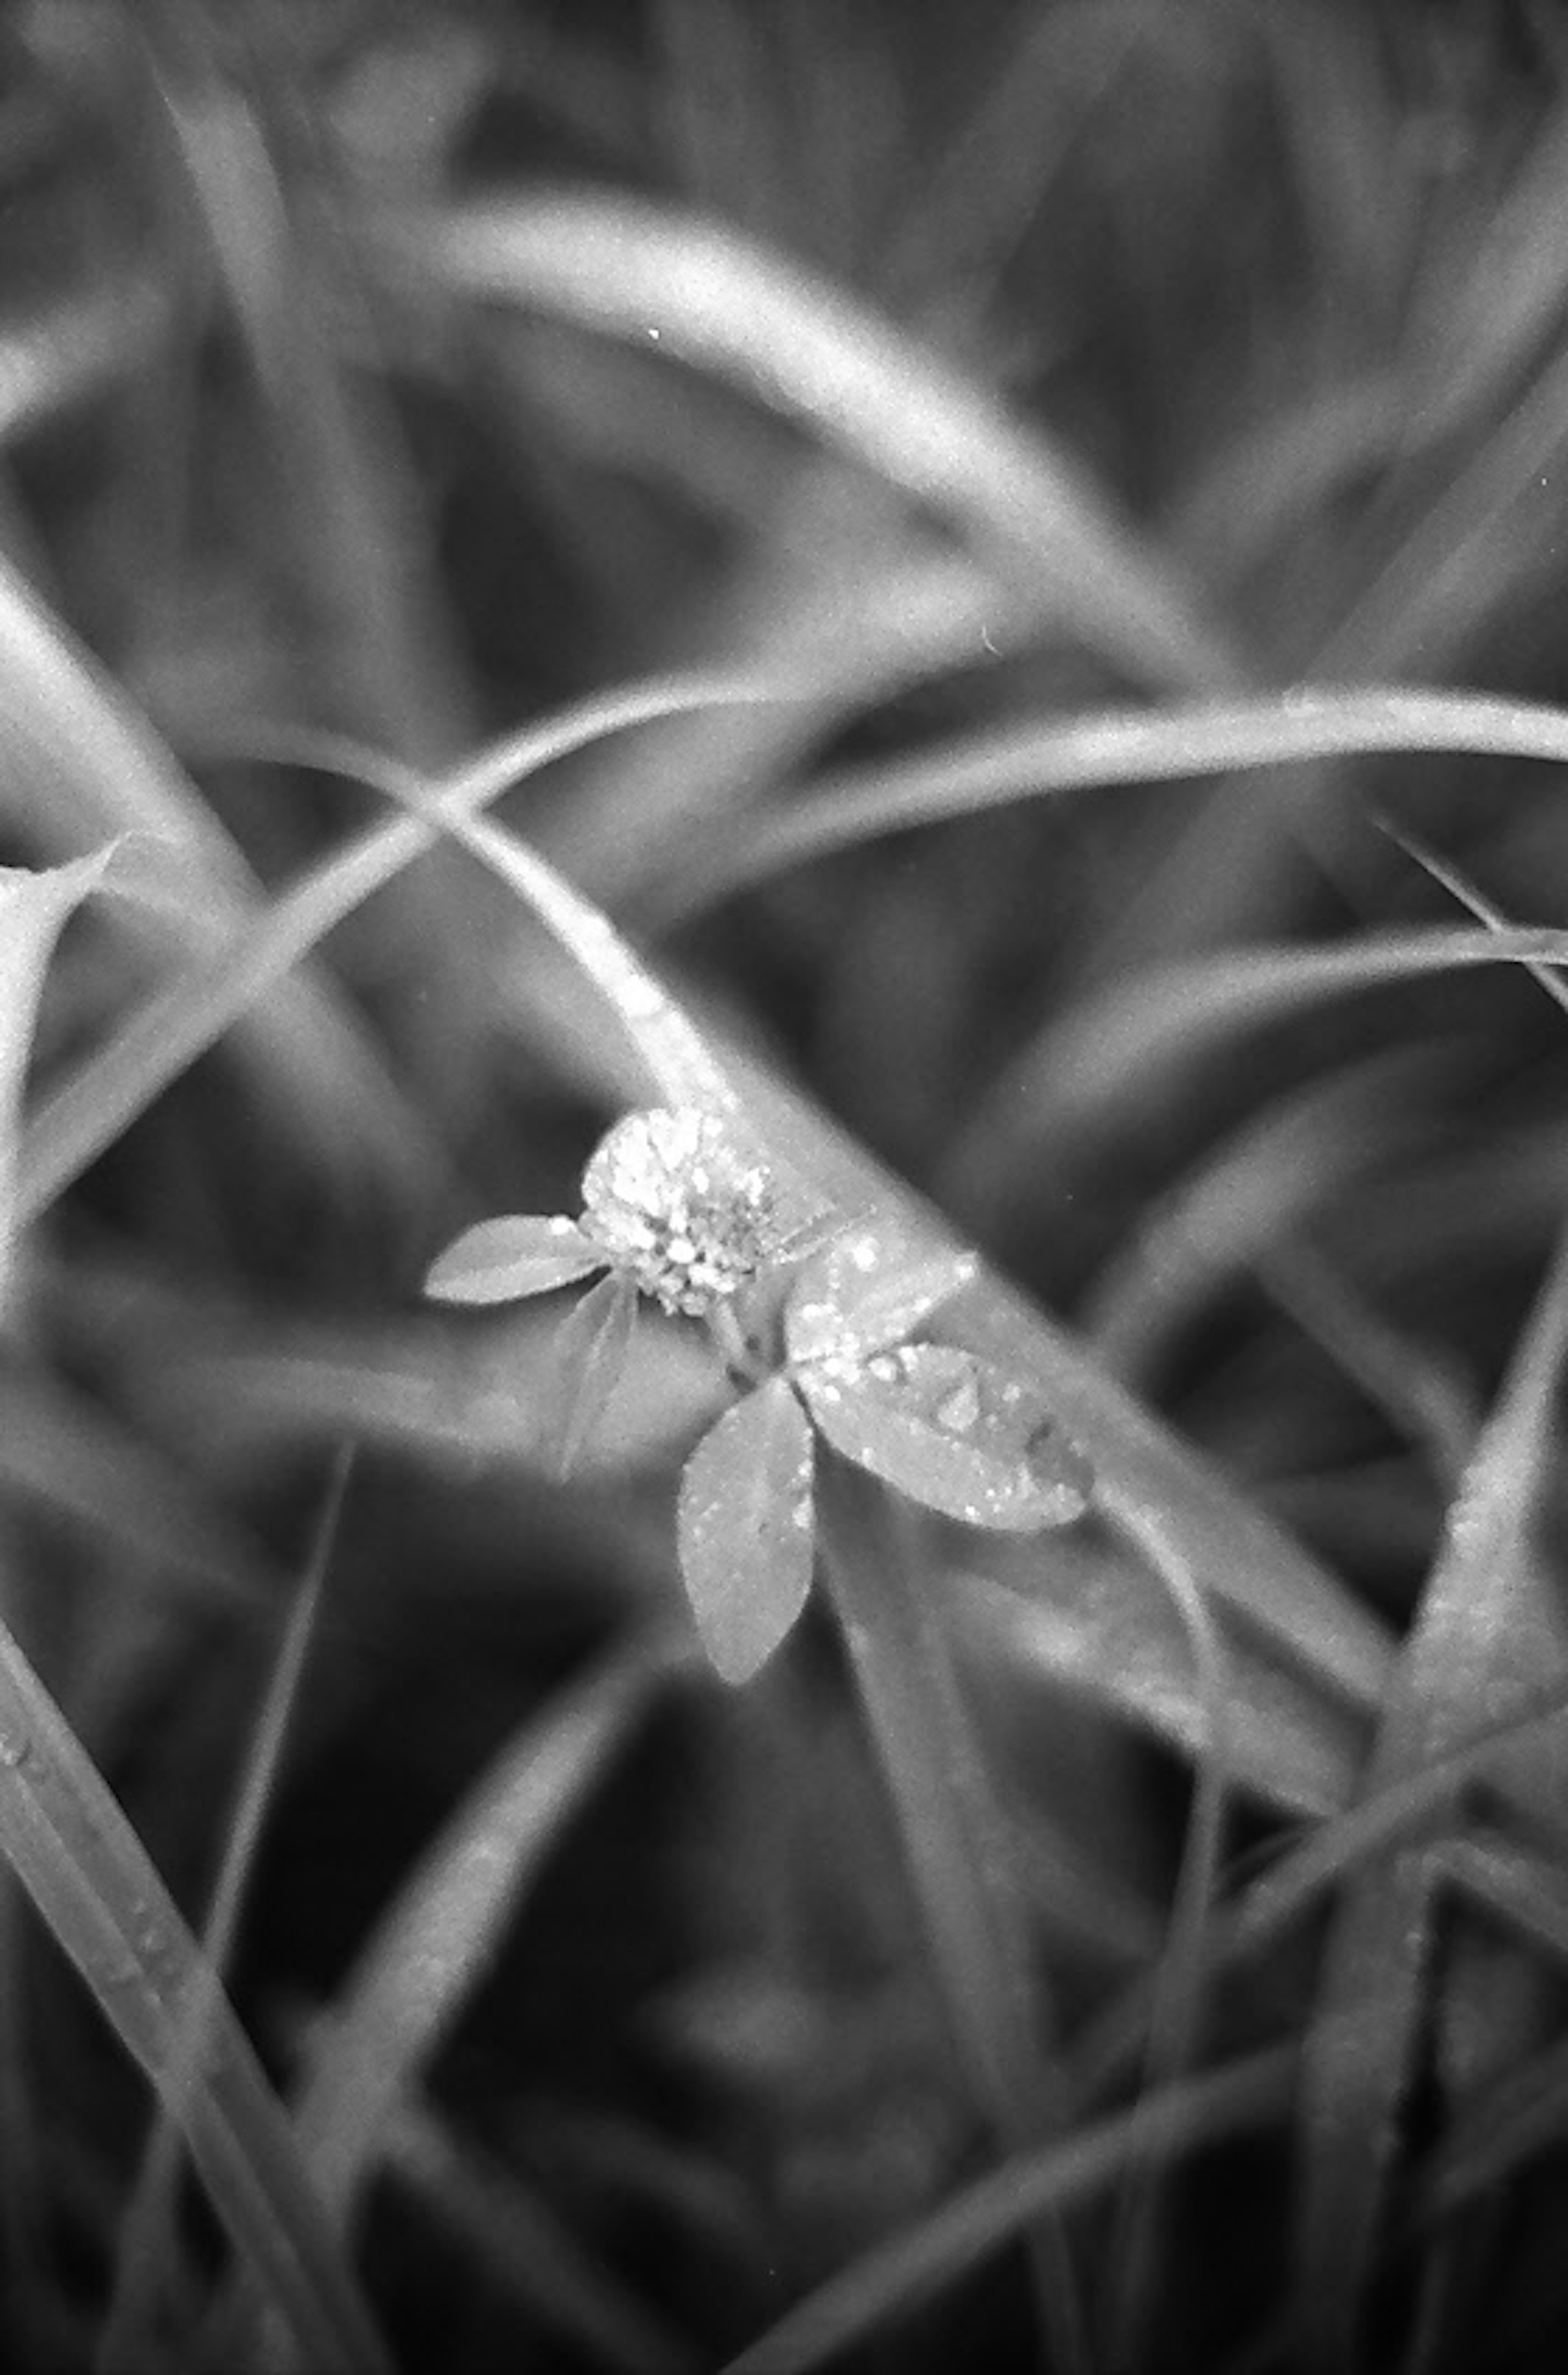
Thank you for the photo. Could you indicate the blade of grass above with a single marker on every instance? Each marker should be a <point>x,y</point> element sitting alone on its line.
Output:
<point>1486,1625</point>
<point>1176,2006</point>
<point>82,762</point>
<point>146,2246</point>
<point>92,1882</point>
<point>1113,1043</point>
<point>895,2279</point>
<point>1045,757</point>
<point>953,1836</point>
<point>108,1092</point>
<point>735,308</point>
<point>34,909</point>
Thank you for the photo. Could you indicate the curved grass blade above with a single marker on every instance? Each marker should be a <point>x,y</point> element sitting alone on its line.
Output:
<point>507,1260</point>
<point>1176,2005</point>
<point>144,2251</point>
<point>959,1846</point>
<point>1487,1626</point>
<point>1097,751</point>
<point>749,314</point>
<point>83,762</point>
<point>110,1090</point>
<point>92,1882</point>
<point>745,1528</point>
<point>897,2277</point>
<point>34,909</point>
<point>1113,1045</point>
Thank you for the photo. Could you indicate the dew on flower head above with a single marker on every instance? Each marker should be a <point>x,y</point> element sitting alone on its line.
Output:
<point>679,1206</point>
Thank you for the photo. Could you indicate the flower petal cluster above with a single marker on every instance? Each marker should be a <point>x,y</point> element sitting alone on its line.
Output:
<point>670,1202</point>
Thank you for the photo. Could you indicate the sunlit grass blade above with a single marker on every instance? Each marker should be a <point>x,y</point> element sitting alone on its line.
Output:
<point>1177,2008</point>
<point>1250,1193</point>
<point>108,1092</point>
<point>1098,751</point>
<point>81,762</point>
<point>34,908</point>
<point>144,2250</point>
<point>751,315</point>
<point>958,1845</point>
<point>895,2280</point>
<point>1487,1625</point>
<point>92,1884</point>
<point>1112,1044</point>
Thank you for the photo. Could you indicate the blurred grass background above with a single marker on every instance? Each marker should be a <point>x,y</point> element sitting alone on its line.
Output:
<point>385,378</point>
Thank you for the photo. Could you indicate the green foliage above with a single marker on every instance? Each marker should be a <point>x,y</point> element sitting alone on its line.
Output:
<point>867,651</point>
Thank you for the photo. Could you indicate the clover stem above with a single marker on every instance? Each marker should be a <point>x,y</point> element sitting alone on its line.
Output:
<point>957,1852</point>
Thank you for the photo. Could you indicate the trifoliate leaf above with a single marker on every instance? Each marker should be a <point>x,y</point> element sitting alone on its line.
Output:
<point>504,1259</point>
<point>868,1290</point>
<point>954,1433</point>
<point>591,1348</point>
<point>745,1528</point>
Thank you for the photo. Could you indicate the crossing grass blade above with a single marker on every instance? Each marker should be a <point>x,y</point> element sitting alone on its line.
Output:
<point>108,1091</point>
<point>81,762</point>
<point>145,2250</point>
<point>1487,1626</point>
<point>750,316</point>
<point>34,908</point>
<point>1049,757</point>
<point>92,1884</point>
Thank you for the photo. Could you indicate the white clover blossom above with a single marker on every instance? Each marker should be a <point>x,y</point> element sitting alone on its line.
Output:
<point>671,1204</point>
<point>677,1205</point>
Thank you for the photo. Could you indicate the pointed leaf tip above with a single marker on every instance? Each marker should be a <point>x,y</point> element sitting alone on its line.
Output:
<point>745,1529</point>
<point>505,1260</point>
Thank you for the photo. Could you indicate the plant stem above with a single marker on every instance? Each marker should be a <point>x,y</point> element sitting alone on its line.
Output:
<point>957,1852</point>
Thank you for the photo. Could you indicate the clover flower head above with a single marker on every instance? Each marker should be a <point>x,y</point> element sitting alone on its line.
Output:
<point>675,1206</point>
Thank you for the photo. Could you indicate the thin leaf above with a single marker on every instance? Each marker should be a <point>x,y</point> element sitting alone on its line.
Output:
<point>591,1347</point>
<point>93,1883</point>
<point>953,1432</point>
<point>745,1528</point>
<point>869,1289</point>
<point>33,913</point>
<point>505,1260</point>
<point>734,307</point>
<point>110,1090</point>
<point>82,761</point>
<point>146,2246</point>
<point>1098,750</point>
<point>1488,1623</point>
<point>960,1847</point>
<point>1116,1042</point>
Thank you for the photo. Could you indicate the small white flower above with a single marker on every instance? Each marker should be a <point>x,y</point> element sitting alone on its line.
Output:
<point>670,1202</point>
<point>674,1203</point>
